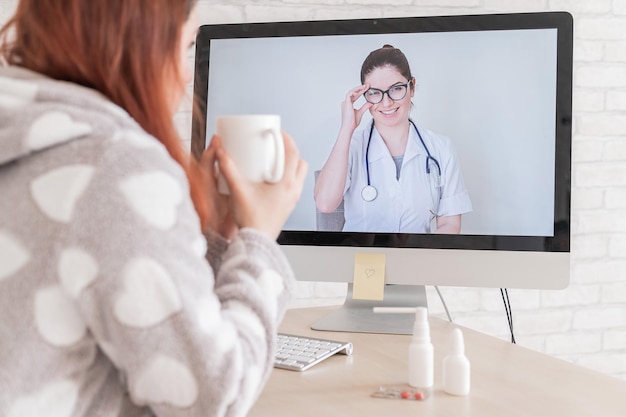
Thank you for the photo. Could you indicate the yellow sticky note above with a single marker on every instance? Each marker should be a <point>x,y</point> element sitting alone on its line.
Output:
<point>369,276</point>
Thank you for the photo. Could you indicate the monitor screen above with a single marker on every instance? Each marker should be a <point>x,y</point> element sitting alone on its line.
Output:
<point>488,145</point>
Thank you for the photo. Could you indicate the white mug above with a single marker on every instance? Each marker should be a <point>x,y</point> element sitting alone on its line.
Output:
<point>255,143</point>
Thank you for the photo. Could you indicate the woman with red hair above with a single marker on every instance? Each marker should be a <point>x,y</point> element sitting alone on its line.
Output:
<point>128,285</point>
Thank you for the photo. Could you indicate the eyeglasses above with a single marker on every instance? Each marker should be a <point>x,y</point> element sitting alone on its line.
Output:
<point>395,92</point>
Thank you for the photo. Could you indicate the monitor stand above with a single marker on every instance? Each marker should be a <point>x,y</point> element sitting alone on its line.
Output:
<point>358,316</point>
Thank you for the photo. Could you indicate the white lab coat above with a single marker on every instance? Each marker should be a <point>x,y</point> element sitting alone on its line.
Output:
<point>404,205</point>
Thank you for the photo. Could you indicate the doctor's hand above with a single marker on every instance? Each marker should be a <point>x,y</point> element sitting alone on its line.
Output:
<point>264,206</point>
<point>350,116</point>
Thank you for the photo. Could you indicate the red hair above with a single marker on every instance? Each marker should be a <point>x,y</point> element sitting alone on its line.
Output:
<point>125,49</point>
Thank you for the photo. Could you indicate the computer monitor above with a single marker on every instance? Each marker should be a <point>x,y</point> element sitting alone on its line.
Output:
<point>499,86</point>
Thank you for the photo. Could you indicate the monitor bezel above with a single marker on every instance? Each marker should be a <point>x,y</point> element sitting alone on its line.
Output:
<point>562,21</point>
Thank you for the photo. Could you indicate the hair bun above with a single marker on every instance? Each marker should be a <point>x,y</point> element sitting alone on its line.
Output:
<point>388,46</point>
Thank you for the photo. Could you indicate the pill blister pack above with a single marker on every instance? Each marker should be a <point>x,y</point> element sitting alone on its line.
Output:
<point>400,392</point>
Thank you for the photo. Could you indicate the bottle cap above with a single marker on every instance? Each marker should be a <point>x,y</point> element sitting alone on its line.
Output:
<point>456,344</point>
<point>421,328</point>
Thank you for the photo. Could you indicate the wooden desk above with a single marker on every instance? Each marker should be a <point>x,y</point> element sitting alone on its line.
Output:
<point>507,380</point>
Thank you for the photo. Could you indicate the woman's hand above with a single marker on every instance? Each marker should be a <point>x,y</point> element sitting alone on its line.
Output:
<point>263,206</point>
<point>219,216</point>
<point>351,117</point>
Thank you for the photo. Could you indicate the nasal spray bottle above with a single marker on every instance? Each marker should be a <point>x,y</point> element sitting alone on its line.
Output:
<point>421,352</point>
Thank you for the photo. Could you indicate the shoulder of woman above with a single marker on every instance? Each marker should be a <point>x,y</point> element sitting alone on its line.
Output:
<point>436,139</point>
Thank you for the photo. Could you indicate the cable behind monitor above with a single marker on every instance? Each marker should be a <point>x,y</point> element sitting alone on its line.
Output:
<point>509,312</point>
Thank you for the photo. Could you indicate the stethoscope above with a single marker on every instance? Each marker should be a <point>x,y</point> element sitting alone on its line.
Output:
<point>369,192</point>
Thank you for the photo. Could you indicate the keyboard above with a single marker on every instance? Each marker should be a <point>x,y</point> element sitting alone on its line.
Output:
<point>299,353</point>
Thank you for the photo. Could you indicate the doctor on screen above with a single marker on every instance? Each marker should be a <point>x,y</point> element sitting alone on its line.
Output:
<point>393,175</point>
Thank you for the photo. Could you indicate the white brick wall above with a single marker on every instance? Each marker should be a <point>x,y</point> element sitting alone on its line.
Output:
<point>586,323</point>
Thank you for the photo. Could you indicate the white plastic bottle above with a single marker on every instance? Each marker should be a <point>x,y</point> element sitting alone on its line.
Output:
<point>421,354</point>
<point>456,366</point>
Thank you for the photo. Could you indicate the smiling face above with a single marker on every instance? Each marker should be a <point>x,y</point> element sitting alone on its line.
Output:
<point>389,112</point>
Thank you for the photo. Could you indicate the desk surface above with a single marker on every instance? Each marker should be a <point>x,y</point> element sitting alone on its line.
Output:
<point>507,380</point>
